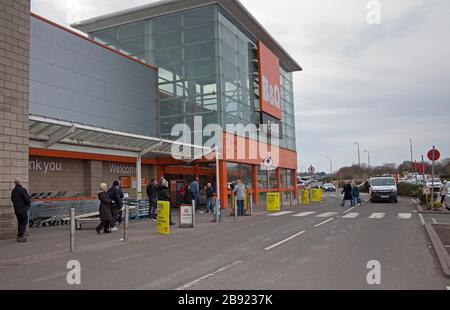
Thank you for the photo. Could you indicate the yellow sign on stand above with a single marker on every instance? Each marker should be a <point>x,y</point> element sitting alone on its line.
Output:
<point>316,195</point>
<point>273,202</point>
<point>163,223</point>
<point>305,197</point>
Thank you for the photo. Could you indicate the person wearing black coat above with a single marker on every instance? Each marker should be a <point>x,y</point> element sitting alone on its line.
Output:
<point>21,201</point>
<point>104,210</point>
<point>152,194</point>
<point>164,195</point>
<point>116,195</point>
<point>347,191</point>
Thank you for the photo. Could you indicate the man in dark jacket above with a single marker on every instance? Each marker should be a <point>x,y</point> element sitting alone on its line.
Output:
<point>116,195</point>
<point>21,202</point>
<point>347,191</point>
<point>152,194</point>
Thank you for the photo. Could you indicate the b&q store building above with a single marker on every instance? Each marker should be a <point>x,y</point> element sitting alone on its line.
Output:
<point>76,111</point>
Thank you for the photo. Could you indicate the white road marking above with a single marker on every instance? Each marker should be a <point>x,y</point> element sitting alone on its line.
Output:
<point>448,288</point>
<point>422,219</point>
<point>303,214</point>
<point>281,213</point>
<point>323,223</point>
<point>185,287</point>
<point>328,214</point>
<point>404,216</point>
<point>122,259</point>
<point>377,215</point>
<point>347,211</point>
<point>50,277</point>
<point>284,241</point>
<point>434,221</point>
<point>351,216</point>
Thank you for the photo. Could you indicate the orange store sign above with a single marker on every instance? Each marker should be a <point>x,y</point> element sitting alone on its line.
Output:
<point>269,80</point>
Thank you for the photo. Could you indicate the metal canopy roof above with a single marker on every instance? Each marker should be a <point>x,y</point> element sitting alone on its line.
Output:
<point>52,131</point>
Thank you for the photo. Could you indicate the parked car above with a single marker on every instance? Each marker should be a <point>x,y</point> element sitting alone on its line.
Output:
<point>383,189</point>
<point>328,187</point>
<point>436,186</point>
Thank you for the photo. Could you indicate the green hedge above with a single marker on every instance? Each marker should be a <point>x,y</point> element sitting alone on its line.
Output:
<point>410,190</point>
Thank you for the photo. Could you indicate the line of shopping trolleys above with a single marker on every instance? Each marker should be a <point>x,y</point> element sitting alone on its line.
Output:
<point>56,210</point>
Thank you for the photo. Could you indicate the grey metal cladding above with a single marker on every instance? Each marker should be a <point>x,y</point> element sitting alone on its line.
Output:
<point>73,79</point>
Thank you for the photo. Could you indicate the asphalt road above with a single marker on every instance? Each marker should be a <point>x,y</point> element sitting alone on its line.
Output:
<point>313,247</point>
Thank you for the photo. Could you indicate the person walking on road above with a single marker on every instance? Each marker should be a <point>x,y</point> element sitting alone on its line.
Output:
<point>355,194</point>
<point>239,191</point>
<point>444,192</point>
<point>116,195</point>
<point>104,210</point>
<point>164,195</point>
<point>152,194</point>
<point>195,190</point>
<point>21,201</point>
<point>209,198</point>
<point>347,191</point>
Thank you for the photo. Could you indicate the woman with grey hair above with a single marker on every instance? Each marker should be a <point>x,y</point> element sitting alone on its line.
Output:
<point>444,192</point>
<point>104,210</point>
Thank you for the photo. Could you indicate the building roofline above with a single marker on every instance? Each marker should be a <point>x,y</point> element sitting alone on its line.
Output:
<point>52,23</point>
<point>234,7</point>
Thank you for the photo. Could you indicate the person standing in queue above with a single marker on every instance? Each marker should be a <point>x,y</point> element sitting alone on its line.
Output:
<point>152,194</point>
<point>164,195</point>
<point>347,191</point>
<point>116,195</point>
<point>209,198</point>
<point>444,192</point>
<point>195,190</point>
<point>355,194</point>
<point>104,210</point>
<point>21,201</point>
<point>239,191</point>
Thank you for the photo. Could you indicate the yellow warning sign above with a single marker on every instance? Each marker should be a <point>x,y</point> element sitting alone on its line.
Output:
<point>316,195</point>
<point>163,223</point>
<point>273,202</point>
<point>305,197</point>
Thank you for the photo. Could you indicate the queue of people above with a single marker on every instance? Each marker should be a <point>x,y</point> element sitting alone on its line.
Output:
<point>351,194</point>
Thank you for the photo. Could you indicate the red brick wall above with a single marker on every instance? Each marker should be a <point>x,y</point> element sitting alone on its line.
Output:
<point>14,84</point>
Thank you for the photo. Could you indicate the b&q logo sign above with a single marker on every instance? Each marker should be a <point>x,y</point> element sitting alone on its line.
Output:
<point>269,77</point>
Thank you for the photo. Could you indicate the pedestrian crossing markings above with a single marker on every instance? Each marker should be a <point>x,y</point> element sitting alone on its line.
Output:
<point>352,215</point>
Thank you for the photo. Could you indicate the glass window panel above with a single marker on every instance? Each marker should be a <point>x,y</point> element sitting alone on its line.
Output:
<point>199,51</point>
<point>169,56</point>
<point>132,47</point>
<point>106,36</point>
<point>200,68</point>
<point>228,37</point>
<point>168,40</point>
<point>199,16</point>
<point>233,172</point>
<point>247,175</point>
<point>167,23</point>
<point>131,30</point>
<point>262,179</point>
<point>273,180</point>
<point>199,34</point>
<point>283,178</point>
<point>290,180</point>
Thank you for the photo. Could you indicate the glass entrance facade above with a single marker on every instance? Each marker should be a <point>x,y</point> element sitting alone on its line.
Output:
<point>207,67</point>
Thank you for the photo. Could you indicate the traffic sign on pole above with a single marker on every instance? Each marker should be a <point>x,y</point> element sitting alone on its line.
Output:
<point>436,153</point>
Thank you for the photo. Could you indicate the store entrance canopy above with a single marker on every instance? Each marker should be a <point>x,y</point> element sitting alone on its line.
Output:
<point>51,132</point>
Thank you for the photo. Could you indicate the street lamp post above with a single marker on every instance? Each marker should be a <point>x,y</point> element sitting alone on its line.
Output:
<point>331,164</point>
<point>413,166</point>
<point>368,156</point>
<point>359,153</point>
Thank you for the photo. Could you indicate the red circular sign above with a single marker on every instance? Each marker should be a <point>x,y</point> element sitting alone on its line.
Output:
<point>437,155</point>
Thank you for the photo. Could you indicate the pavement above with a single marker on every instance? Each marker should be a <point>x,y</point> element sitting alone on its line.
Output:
<point>320,246</point>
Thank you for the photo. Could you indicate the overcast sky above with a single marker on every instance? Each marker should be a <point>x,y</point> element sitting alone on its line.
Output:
<point>379,85</point>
